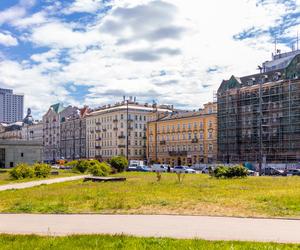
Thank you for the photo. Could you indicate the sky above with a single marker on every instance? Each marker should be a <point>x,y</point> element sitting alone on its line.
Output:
<point>176,52</point>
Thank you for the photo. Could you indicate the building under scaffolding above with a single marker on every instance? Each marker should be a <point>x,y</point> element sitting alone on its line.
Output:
<point>259,115</point>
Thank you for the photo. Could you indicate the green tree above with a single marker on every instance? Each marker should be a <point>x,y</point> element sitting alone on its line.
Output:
<point>97,168</point>
<point>119,163</point>
<point>41,170</point>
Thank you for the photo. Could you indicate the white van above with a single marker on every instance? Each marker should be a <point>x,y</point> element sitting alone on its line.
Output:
<point>159,168</point>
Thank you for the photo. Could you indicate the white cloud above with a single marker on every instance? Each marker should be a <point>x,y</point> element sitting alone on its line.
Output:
<point>89,6</point>
<point>17,11</point>
<point>62,35</point>
<point>152,49</point>
<point>8,40</point>
<point>36,18</point>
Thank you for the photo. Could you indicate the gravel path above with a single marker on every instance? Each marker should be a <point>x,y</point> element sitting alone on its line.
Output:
<point>37,183</point>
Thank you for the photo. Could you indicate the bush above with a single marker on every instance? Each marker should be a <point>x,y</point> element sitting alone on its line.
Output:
<point>72,163</point>
<point>41,170</point>
<point>80,166</point>
<point>22,171</point>
<point>220,171</point>
<point>119,163</point>
<point>230,172</point>
<point>99,168</point>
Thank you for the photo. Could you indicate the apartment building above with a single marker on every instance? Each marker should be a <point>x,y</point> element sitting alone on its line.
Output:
<point>120,129</point>
<point>51,130</point>
<point>11,106</point>
<point>73,135</point>
<point>258,115</point>
<point>184,138</point>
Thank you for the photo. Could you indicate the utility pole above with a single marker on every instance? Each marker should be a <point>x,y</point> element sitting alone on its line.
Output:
<point>127,136</point>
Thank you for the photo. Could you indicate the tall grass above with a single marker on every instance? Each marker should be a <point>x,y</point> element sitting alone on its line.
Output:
<point>142,194</point>
<point>127,243</point>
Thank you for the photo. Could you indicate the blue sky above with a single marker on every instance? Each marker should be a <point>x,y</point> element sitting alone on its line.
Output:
<point>173,51</point>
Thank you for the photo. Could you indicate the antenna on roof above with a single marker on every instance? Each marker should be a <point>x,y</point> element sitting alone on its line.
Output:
<point>275,45</point>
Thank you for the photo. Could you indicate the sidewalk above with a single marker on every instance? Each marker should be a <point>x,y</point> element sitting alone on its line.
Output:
<point>203,227</point>
<point>37,183</point>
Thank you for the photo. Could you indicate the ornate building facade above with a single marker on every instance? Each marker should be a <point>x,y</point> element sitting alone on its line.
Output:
<point>184,138</point>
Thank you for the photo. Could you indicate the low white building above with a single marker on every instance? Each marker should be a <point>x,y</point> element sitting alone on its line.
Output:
<point>13,152</point>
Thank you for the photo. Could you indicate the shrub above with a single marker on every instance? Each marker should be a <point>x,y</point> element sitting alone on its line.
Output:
<point>41,170</point>
<point>22,171</point>
<point>120,163</point>
<point>72,163</point>
<point>81,165</point>
<point>237,171</point>
<point>230,172</point>
<point>220,171</point>
<point>99,168</point>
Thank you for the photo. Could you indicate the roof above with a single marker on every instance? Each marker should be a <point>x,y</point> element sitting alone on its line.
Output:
<point>130,106</point>
<point>186,114</point>
<point>58,107</point>
<point>291,71</point>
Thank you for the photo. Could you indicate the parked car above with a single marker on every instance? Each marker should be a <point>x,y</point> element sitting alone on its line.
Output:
<point>252,173</point>
<point>205,170</point>
<point>272,171</point>
<point>292,172</point>
<point>139,168</point>
<point>183,169</point>
<point>159,168</point>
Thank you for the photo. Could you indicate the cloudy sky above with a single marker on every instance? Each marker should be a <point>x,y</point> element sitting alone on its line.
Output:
<point>172,51</point>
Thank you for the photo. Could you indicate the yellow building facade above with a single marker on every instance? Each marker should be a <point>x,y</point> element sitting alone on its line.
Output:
<point>184,138</point>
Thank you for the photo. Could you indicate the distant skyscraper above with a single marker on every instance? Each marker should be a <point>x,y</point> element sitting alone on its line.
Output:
<point>11,106</point>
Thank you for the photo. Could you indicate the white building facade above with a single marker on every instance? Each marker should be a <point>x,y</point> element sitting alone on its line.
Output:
<point>120,130</point>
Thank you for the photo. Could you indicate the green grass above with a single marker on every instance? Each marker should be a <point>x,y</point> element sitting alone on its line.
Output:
<point>142,194</point>
<point>6,179</point>
<point>125,242</point>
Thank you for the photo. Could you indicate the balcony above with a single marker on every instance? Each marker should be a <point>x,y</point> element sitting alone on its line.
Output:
<point>115,120</point>
<point>121,146</point>
<point>98,123</point>
<point>115,128</point>
<point>130,120</point>
<point>98,130</point>
<point>178,153</point>
<point>104,129</point>
<point>162,142</point>
<point>97,147</point>
<point>195,140</point>
<point>98,139</point>
<point>121,137</point>
<point>144,137</point>
<point>130,128</point>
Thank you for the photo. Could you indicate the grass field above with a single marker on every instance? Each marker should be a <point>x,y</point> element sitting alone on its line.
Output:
<point>142,194</point>
<point>124,242</point>
<point>5,178</point>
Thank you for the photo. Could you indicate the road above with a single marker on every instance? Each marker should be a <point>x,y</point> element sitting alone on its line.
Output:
<point>209,228</point>
<point>37,183</point>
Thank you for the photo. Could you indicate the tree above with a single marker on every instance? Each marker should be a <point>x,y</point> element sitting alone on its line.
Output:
<point>97,168</point>
<point>119,163</point>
